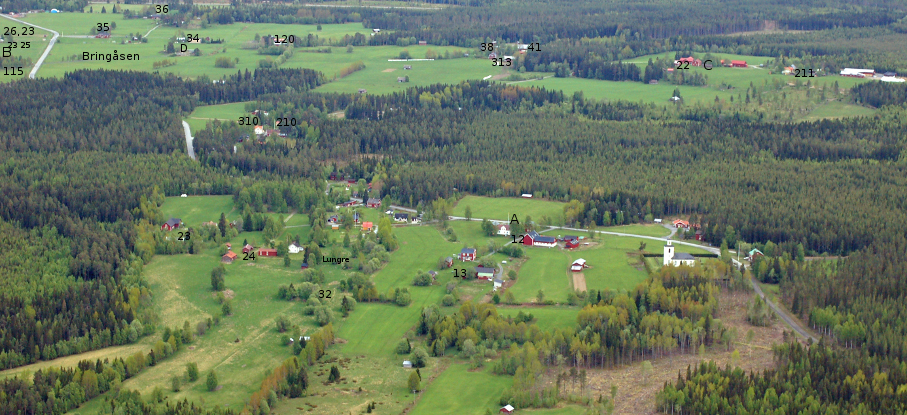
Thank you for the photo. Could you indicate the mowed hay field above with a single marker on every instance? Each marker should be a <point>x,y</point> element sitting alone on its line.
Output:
<point>459,391</point>
<point>546,270</point>
<point>502,208</point>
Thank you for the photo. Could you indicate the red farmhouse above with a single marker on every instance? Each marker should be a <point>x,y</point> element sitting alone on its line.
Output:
<point>171,224</point>
<point>468,254</point>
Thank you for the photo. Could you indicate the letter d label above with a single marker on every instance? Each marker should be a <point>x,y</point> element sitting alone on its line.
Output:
<point>183,47</point>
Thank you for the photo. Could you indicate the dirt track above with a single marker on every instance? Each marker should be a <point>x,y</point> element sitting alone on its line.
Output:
<point>579,281</point>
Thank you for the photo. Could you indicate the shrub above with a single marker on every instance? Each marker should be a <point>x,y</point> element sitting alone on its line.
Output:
<point>224,62</point>
<point>192,371</point>
<point>211,382</point>
<point>448,300</point>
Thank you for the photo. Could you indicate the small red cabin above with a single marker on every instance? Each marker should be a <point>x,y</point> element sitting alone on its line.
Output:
<point>738,64</point>
<point>267,252</point>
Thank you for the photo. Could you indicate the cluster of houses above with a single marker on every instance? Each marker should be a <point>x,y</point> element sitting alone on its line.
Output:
<point>683,224</point>
<point>480,272</point>
<point>231,256</point>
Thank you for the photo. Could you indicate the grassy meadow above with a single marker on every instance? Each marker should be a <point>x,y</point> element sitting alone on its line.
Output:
<point>194,210</point>
<point>474,392</point>
<point>501,208</point>
<point>546,318</point>
<point>546,270</point>
<point>639,229</point>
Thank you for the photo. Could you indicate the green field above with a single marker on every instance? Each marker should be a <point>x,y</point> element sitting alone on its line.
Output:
<point>224,112</point>
<point>837,110</point>
<point>374,329</point>
<point>501,208</point>
<point>380,76</point>
<point>470,233</point>
<point>194,210</point>
<point>182,292</point>
<point>546,318</point>
<point>475,392</point>
<point>546,270</point>
<point>610,266</point>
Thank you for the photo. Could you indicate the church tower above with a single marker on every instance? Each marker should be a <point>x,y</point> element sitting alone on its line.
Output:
<point>668,253</point>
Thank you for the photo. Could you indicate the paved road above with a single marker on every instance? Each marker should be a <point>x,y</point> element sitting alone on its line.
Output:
<point>189,139</point>
<point>50,45</point>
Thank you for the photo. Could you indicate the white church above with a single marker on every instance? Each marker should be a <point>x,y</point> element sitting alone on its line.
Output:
<point>677,259</point>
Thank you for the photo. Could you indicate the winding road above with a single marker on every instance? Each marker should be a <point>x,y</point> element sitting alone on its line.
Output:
<point>50,45</point>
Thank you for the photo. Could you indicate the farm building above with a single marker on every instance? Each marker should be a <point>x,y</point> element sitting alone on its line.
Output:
<point>228,258</point>
<point>448,262</point>
<point>503,229</point>
<point>407,364</point>
<point>334,219</point>
<point>267,252</point>
<point>484,273</point>
<point>229,246</point>
<point>751,256</point>
<point>680,223</point>
<point>498,283</point>
<point>416,220</point>
<point>356,217</point>
<point>401,217</point>
<point>534,239</point>
<point>578,265</point>
<point>373,203</point>
<point>572,243</point>
<point>468,254</point>
<point>295,249</point>
<point>362,91</point>
<point>658,220</point>
<point>247,248</point>
<point>857,73</point>
<point>526,195</point>
<point>171,224</point>
<point>677,259</point>
<point>507,409</point>
<point>367,226</point>
<point>407,67</point>
<point>698,236</point>
<point>304,266</point>
<point>335,226</point>
<point>401,79</point>
<point>422,43</point>
<point>738,64</point>
<point>689,60</point>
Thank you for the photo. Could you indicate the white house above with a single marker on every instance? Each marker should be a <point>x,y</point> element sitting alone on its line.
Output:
<point>503,229</point>
<point>295,249</point>
<point>498,283</point>
<point>677,259</point>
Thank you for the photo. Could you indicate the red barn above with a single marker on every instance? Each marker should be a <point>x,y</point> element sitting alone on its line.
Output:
<point>738,64</point>
<point>267,252</point>
<point>698,235</point>
<point>171,224</point>
<point>247,248</point>
<point>373,202</point>
<point>534,239</point>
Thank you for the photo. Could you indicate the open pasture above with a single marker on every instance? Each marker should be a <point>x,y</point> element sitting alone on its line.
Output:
<point>502,208</point>
<point>194,210</point>
<point>473,392</point>
<point>546,318</point>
